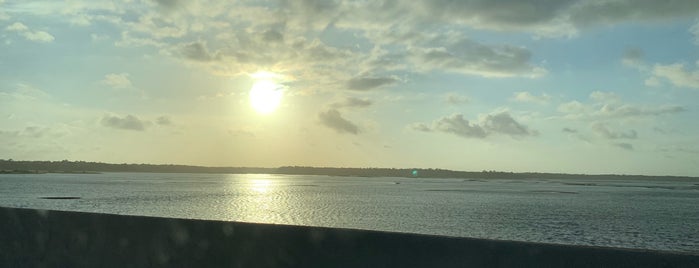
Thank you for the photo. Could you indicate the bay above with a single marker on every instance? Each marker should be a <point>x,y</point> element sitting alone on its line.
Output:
<point>642,214</point>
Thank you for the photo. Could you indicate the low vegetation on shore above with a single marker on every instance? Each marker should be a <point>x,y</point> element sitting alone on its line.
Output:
<point>82,167</point>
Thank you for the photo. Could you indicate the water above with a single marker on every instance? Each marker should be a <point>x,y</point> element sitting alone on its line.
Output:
<point>645,214</point>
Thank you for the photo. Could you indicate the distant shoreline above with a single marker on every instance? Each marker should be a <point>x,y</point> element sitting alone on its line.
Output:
<point>82,167</point>
<point>17,171</point>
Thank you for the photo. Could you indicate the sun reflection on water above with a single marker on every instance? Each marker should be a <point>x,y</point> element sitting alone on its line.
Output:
<point>261,185</point>
<point>257,199</point>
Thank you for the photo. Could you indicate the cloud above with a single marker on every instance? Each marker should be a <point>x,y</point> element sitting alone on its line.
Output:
<point>455,99</point>
<point>500,123</point>
<point>694,30</point>
<point>163,121</point>
<point>272,36</point>
<point>470,57</point>
<point>24,92</point>
<point>38,36</point>
<point>232,38</point>
<point>524,96</point>
<point>80,20</point>
<point>633,57</point>
<point>503,123</point>
<point>604,97</point>
<point>169,4</point>
<point>456,124</point>
<point>628,110</point>
<point>196,51</point>
<point>114,80</point>
<point>367,83</point>
<point>128,122</point>
<point>569,130</point>
<point>17,27</point>
<point>353,102</point>
<point>553,17</point>
<point>129,40</point>
<point>590,13</point>
<point>676,74</point>
<point>420,127</point>
<point>334,120</point>
<point>34,131</point>
<point>506,15</point>
<point>624,145</point>
<point>98,37</point>
<point>35,36</point>
<point>544,18</point>
<point>603,131</point>
<point>677,149</point>
<point>572,107</point>
<point>607,105</point>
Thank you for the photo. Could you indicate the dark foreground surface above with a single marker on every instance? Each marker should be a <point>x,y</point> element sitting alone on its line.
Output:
<point>32,238</point>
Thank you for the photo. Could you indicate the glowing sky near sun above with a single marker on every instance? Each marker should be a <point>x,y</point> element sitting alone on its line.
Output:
<point>566,86</point>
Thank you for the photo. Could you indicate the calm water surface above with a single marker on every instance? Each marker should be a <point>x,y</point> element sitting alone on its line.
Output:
<point>621,213</point>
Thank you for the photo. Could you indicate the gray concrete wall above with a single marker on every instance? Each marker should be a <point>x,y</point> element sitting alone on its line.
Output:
<point>31,238</point>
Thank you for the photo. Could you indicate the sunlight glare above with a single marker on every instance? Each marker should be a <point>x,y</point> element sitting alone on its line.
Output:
<point>265,96</point>
<point>261,186</point>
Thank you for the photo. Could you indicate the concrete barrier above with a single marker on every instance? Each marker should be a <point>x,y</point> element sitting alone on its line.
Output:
<point>36,238</point>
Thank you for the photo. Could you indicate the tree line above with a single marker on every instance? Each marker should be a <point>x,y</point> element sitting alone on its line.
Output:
<point>65,166</point>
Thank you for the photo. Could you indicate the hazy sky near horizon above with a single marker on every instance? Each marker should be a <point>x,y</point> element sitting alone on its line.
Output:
<point>605,86</point>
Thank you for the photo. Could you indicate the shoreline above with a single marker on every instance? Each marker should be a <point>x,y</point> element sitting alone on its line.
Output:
<point>405,172</point>
<point>60,238</point>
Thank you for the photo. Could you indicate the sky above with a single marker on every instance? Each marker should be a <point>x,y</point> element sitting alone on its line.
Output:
<point>594,87</point>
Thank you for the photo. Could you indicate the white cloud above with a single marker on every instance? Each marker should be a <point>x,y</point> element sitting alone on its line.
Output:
<point>456,99</point>
<point>572,107</point>
<point>129,40</point>
<point>99,37</point>
<point>80,20</point>
<point>24,92</point>
<point>35,36</point>
<point>119,81</point>
<point>17,27</point>
<point>694,30</point>
<point>604,97</point>
<point>525,96</point>
<point>676,74</point>
<point>629,110</point>
<point>3,14</point>
<point>38,36</point>
<point>609,105</point>
<point>653,82</point>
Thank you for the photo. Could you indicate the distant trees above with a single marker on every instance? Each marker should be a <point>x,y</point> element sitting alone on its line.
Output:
<point>13,166</point>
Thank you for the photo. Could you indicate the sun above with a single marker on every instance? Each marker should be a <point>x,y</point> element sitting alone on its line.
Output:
<point>265,96</point>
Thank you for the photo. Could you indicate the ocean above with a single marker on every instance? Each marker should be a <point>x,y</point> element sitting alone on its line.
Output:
<point>642,214</point>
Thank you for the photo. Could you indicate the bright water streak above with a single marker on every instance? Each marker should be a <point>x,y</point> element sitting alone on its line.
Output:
<point>644,214</point>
